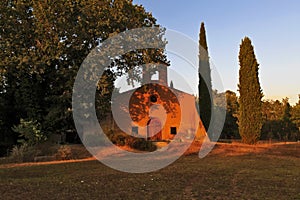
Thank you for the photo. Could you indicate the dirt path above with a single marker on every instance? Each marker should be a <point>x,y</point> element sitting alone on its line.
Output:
<point>12,165</point>
<point>290,149</point>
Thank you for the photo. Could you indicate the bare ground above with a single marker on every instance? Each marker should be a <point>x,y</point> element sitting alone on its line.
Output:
<point>230,171</point>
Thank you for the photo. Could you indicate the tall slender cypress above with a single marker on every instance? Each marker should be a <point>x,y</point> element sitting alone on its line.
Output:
<point>205,86</point>
<point>250,113</point>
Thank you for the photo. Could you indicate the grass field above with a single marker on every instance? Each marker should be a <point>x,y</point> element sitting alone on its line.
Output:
<point>231,171</point>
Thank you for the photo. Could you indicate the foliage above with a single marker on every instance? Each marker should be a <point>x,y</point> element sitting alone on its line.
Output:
<point>121,139</point>
<point>286,120</point>
<point>230,130</point>
<point>272,110</point>
<point>30,131</point>
<point>271,129</point>
<point>295,114</point>
<point>140,144</point>
<point>44,44</point>
<point>204,87</point>
<point>64,153</point>
<point>20,95</point>
<point>278,123</point>
<point>23,153</point>
<point>104,91</point>
<point>250,111</point>
<point>117,138</point>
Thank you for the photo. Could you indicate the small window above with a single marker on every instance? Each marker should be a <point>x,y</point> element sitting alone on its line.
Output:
<point>173,130</point>
<point>155,76</point>
<point>153,98</point>
<point>135,130</point>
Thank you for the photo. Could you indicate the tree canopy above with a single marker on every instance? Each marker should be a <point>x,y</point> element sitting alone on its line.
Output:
<point>43,44</point>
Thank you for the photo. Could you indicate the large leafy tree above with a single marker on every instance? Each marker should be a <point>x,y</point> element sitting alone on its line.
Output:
<point>279,121</point>
<point>272,112</point>
<point>21,88</point>
<point>230,130</point>
<point>289,129</point>
<point>205,85</point>
<point>296,113</point>
<point>250,112</point>
<point>43,44</point>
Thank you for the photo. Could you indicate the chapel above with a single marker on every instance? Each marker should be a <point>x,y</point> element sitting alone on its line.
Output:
<point>158,111</point>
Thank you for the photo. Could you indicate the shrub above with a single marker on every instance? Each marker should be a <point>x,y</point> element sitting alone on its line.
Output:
<point>24,153</point>
<point>31,131</point>
<point>140,144</point>
<point>117,138</point>
<point>64,153</point>
<point>121,139</point>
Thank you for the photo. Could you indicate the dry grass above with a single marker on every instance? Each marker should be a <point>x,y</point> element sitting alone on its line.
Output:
<point>237,149</point>
<point>230,171</point>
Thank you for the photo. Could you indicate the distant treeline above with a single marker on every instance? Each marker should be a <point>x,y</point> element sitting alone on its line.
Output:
<point>281,121</point>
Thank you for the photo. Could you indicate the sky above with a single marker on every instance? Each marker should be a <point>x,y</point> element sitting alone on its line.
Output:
<point>272,25</point>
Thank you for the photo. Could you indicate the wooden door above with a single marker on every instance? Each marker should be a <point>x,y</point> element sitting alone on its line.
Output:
<point>154,129</point>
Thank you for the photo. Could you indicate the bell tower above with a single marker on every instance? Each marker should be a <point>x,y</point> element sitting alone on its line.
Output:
<point>155,74</point>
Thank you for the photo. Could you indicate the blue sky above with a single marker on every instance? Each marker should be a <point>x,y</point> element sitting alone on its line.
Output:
<point>272,25</point>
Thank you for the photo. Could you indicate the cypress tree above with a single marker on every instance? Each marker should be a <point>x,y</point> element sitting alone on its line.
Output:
<point>250,113</point>
<point>205,86</point>
<point>171,84</point>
